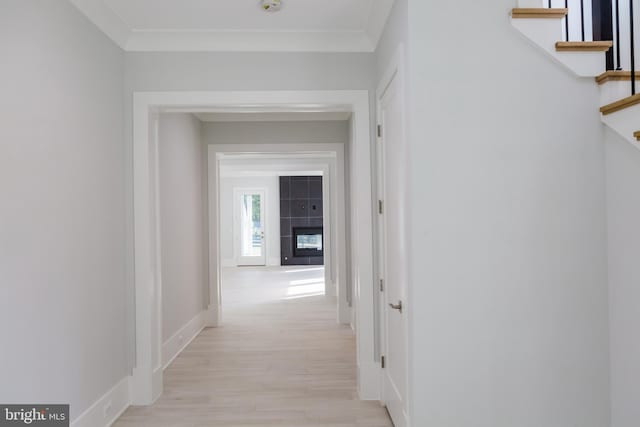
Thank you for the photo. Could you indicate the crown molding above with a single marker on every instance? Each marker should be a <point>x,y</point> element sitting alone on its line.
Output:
<point>133,40</point>
<point>380,11</point>
<point>105,19</point>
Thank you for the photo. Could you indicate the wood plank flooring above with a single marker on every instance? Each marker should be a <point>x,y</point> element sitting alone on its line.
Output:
<point>279,359</point>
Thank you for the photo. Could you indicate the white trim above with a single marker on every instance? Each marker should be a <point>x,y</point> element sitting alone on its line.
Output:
<point>108,408</point>
<point>287,158</point>
<point>228,262</point>
<point>148,286</point>
<point>380,11</point>
<point>146,385</point>
<point>273,261</point>
<point>105,19</point>
<point>182,338</point>
<point>212,317</point>
<point>331,218</point>
<point>262,259</point>
<point>139,40</point>
<point>395,70</point>
<point>369,381</point>
<point>147,374</point>
<point>213,117</point>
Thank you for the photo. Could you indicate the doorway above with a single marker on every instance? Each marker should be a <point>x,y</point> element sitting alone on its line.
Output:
<point>147,375</point>
<point>305,188</point>
<point>298,193</point>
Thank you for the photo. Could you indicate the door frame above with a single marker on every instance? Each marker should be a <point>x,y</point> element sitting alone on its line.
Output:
<point>327,158</point>
<point>147,375</point>
<point>236,223</point>
<point>395,70</point>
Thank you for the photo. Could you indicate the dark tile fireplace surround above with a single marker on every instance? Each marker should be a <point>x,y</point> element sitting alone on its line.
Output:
<point>300,208</point>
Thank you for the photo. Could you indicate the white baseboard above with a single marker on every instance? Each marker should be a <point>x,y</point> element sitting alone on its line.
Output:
<point>107,409</point>
<point>157,386</point>
<point>174,345</point>
<point>273,261</point>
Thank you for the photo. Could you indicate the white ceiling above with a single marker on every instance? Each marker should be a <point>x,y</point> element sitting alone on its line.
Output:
<point>240,25</point>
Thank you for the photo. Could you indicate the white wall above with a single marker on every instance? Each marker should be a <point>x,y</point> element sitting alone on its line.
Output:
<point>62,231</point>
<point>317,132</point>
<point>271,184</point>
<point>623,213</point>
<point>395,34</point>
<point>182,220</point>
<point>508,228</point>
<point>248,71</point>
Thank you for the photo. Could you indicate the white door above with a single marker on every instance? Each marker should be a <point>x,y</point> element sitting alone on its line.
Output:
<point>393,249</point>
<point>249,233</point>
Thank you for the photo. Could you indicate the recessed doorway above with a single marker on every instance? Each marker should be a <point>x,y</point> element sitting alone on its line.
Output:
<point>147,378</point>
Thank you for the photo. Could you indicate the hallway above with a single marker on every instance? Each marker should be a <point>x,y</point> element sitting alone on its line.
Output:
<point>279,359</point>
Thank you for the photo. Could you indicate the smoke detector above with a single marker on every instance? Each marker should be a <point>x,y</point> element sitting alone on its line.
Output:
<point>271,5</point>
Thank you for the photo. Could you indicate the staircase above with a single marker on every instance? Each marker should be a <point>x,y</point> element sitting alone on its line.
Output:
<point>549,28</point>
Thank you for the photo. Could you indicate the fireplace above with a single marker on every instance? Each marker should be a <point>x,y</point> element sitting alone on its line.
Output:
<point>307,242</point>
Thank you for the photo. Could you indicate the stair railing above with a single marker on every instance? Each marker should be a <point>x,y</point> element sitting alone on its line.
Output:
<point>607,23</point>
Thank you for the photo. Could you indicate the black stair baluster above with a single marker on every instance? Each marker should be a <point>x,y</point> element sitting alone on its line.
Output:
<point>602,13</point>
<point>617,41</point>
<point>582,19</point>
<point>566,30</point>
<point>633,48</point>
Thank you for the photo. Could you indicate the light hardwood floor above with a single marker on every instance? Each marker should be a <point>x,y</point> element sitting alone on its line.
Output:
<point>279,359</point>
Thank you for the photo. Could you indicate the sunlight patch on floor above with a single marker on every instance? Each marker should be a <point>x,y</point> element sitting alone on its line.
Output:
<point>313,281</point>
<point>305,270</point>
<point>316,288</point>
<point>255,286</point>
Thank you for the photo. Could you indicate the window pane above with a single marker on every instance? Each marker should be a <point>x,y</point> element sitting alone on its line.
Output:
<point>251,226</point>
